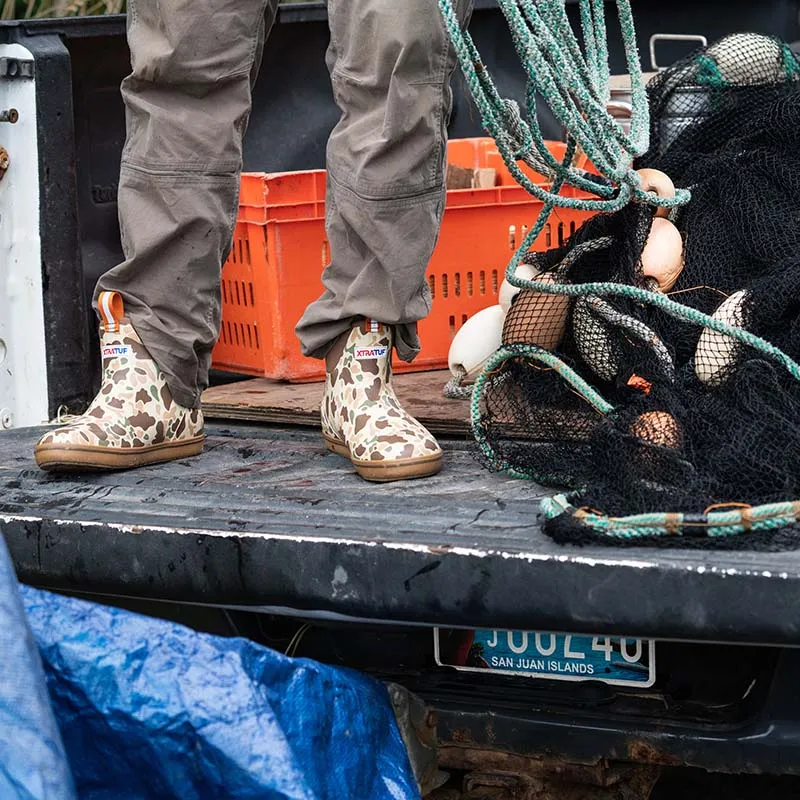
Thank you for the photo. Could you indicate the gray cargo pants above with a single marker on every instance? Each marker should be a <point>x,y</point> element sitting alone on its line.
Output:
<point>187,104</point>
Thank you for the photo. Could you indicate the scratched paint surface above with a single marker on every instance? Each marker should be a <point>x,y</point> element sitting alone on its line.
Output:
<point>267,518</point>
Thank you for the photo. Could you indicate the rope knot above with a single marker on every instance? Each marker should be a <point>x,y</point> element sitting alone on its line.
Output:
<point>518,131</point>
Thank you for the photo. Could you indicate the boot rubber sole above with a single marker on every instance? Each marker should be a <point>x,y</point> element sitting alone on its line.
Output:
<point>85,458</point>
<point>385,471</point>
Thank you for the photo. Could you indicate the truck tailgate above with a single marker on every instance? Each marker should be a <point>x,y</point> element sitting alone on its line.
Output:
<point>267,519</point>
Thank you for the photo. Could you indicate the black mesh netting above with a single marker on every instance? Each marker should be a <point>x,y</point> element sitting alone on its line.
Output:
<point>700,420</point>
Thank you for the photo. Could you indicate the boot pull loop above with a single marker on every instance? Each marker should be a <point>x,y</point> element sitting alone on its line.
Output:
<point>112,310</point>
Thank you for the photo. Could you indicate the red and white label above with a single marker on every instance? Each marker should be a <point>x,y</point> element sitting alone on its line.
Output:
<point>364,353</point>
<point>117,351</point>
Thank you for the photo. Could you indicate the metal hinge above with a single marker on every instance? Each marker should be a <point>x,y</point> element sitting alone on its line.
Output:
<point>11,68</point>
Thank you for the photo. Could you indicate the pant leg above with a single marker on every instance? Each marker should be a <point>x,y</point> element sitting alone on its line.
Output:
<point>187,101</point>
<point>391,64</point>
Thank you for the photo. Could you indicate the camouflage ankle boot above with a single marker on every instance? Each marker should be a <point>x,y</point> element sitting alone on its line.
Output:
<point>362,418</point>
<point>134,420</point>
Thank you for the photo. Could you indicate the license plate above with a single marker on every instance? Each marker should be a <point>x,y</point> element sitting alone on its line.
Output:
<point>556,656</point>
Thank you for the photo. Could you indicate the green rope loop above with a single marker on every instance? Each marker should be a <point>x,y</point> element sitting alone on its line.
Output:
<point>713,524</point>
<point>532,353</point>
<point>667,305</point>
<point>576,89</point>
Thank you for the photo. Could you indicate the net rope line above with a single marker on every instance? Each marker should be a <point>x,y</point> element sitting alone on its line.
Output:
<point>576,87</point>
<point>768,516</point>
<point>713,523</point>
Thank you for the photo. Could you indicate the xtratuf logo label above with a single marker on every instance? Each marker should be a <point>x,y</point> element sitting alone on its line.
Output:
<point>363,353</point>
<point>116,350</point>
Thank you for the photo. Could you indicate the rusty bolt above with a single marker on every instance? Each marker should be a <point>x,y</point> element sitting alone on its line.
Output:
<point>5,161</point>
<point>9,115</point>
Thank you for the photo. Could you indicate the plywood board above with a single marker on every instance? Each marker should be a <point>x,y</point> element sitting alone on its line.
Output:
<point>264,400</point>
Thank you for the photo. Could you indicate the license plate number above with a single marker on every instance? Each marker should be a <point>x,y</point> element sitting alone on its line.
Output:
<point>555,656</point>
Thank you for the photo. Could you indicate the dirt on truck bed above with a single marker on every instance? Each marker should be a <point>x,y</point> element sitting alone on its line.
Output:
<point>266,518</point>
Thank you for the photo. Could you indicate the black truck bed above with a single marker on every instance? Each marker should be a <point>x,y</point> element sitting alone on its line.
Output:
<point>267,519</point>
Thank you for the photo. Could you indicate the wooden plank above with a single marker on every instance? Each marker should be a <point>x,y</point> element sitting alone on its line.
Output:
<point>465,178</point>
<point>458,177</point>
<point>264,400</point>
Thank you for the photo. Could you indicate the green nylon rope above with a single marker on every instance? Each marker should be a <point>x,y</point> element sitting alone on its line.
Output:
<point>579,384</point>
<point>575,85</point>
<point>677,310</point>
<point>533,353</point>
<point>715,524</point>
<point>728,522</point>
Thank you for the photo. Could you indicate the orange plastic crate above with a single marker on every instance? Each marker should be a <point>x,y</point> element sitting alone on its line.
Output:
<point>279,251</point>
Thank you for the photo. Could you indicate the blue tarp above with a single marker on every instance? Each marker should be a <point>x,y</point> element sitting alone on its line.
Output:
<point>33,763</point>
<point>150,709</point>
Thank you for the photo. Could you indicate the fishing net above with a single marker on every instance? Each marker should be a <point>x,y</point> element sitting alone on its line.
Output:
<point>655,377</point>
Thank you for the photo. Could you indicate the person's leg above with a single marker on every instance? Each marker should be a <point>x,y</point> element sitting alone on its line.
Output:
<point>391,64</point>
<point>187,101</point>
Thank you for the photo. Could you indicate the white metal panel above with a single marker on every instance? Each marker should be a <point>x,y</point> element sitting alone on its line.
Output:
<point>23,366</point>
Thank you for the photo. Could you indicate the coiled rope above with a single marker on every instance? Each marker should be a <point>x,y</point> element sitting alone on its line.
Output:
<point>575,83</point>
